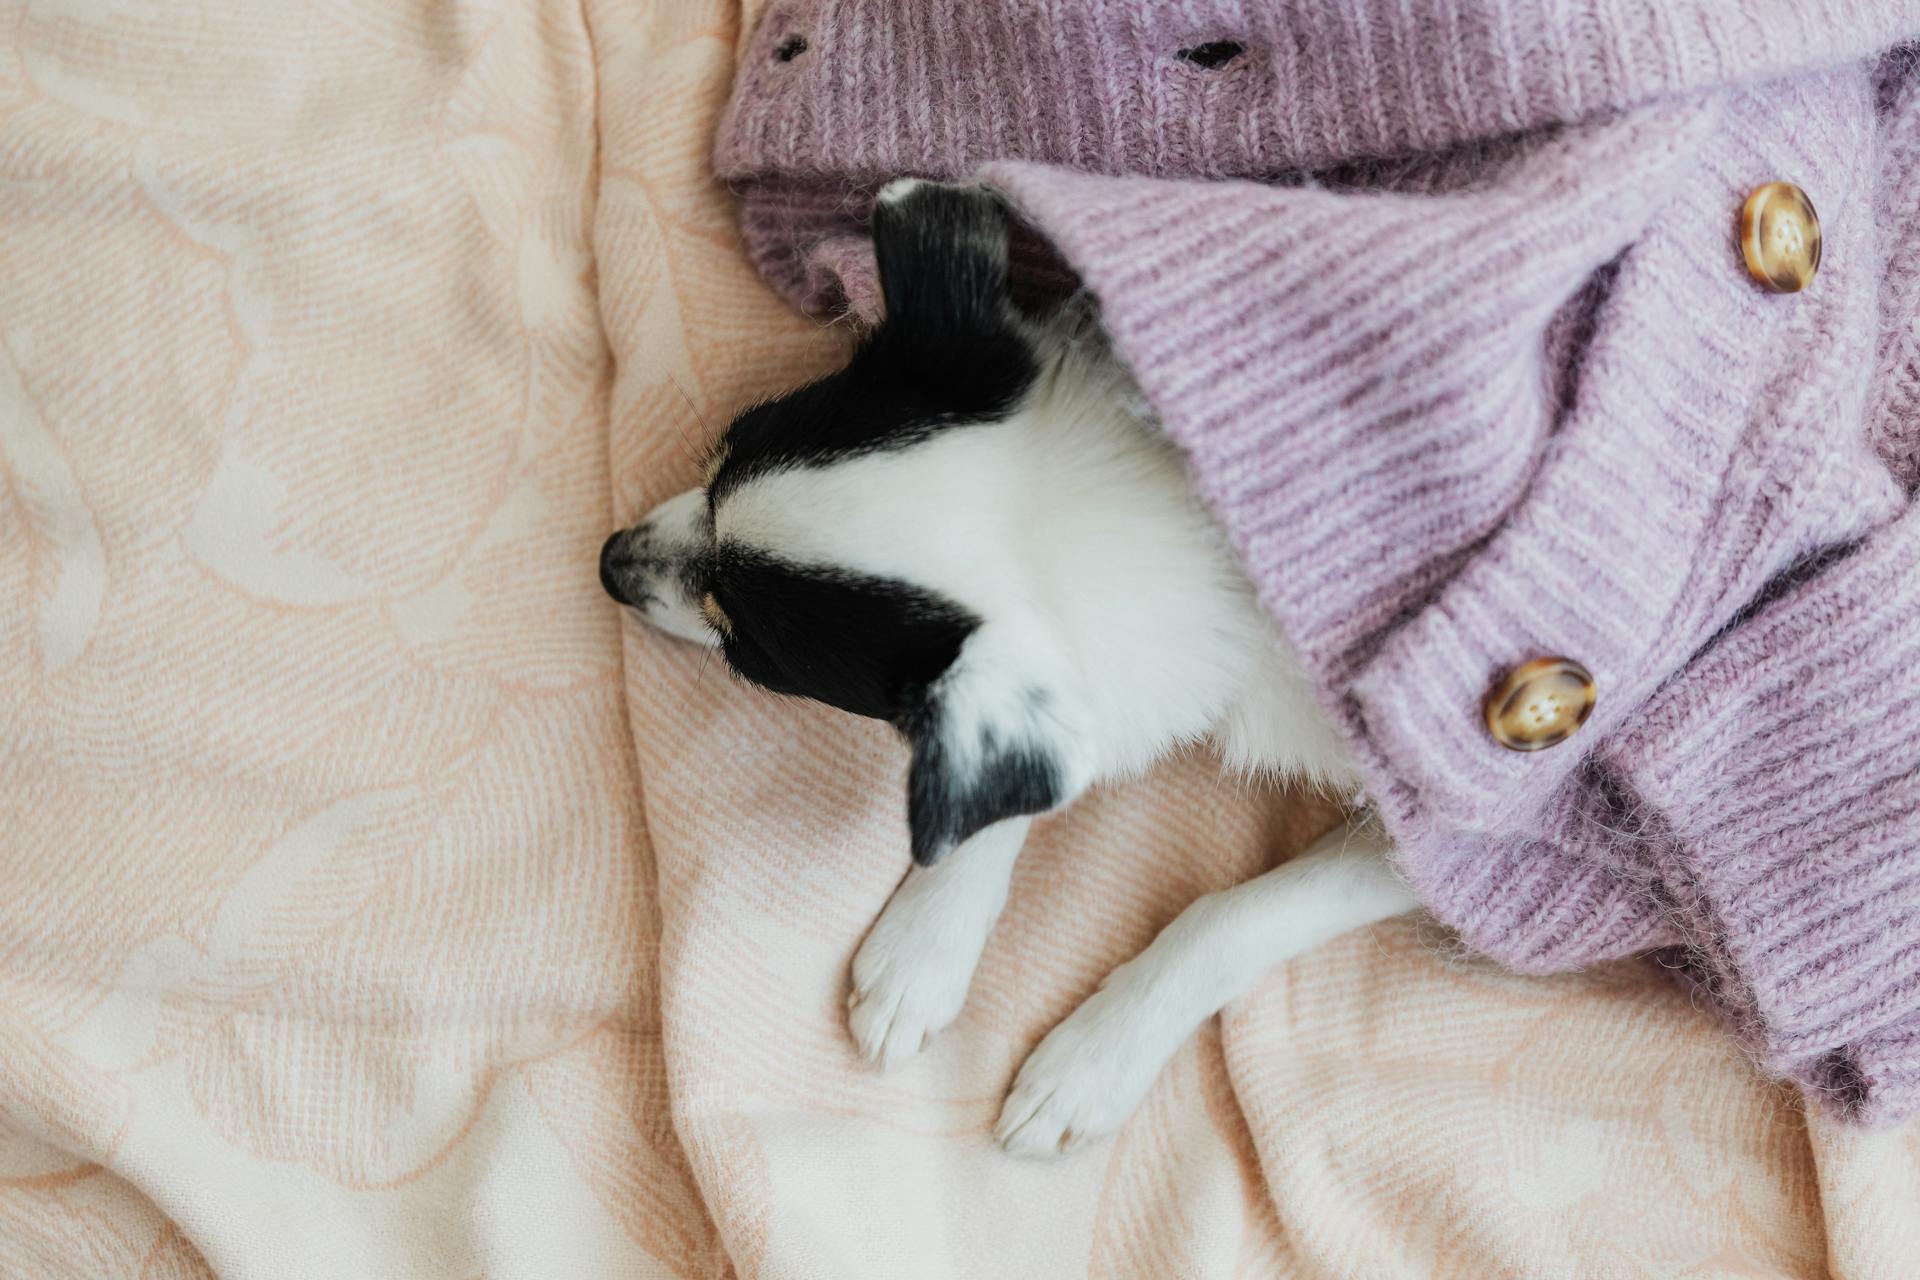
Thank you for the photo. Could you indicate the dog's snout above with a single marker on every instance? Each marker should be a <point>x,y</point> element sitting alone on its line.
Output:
<point>655,567</point>
<point>613,558</point>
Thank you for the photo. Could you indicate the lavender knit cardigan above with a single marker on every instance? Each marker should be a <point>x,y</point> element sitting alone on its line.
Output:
<point>1473,373</point>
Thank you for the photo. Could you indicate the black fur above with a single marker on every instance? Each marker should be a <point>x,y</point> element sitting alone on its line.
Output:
<point>948,353</point>
<point>944,807</point>
<point>861,644</point>
<point>877,648</point>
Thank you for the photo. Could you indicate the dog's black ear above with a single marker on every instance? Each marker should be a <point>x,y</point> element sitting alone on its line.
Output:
<point>956,789</point>
<point>997,736</point>
<point>941,249</point>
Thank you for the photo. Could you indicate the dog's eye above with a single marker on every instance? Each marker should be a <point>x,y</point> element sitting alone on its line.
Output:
<point>791,48</point>
<point>716,616</point>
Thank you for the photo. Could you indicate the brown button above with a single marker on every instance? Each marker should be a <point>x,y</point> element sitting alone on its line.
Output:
<point>1780,235</point>
<point>1540,704</point>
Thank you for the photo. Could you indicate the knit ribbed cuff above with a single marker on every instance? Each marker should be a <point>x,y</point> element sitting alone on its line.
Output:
<point>1784,772</point>
<point>857,91</point>
<point>1567,897</point>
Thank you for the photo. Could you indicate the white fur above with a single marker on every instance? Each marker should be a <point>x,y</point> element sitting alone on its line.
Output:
<point>899,189</point>
<point>678,526</point>
<point>912,973</point>
<point>1070,529</point>
<point>1090,1072</point>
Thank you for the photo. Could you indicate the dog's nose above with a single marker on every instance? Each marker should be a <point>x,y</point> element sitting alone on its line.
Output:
<point>612,557</point>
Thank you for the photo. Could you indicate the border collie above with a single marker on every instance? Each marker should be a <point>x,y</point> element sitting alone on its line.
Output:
<point>977,533</point>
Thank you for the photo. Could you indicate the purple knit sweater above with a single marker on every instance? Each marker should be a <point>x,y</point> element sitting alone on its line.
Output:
<point>1491,384</point>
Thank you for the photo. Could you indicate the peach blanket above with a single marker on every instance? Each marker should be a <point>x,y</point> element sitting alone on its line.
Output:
<point>374,902</point>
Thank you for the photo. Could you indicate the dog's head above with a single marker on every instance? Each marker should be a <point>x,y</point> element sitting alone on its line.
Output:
<point>862,540</point>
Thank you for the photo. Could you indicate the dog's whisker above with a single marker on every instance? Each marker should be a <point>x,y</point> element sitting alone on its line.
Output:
<point>694,451</point>
<point>692,408</point>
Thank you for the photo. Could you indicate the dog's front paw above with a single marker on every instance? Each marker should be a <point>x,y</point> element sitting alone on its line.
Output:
<point>910,978</point>
<point>1090,1072</point>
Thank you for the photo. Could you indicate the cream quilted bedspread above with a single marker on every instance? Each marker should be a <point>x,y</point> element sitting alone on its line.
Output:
<point>374,902</point>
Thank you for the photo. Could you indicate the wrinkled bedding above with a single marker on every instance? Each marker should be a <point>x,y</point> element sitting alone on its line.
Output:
<point>376,901</point>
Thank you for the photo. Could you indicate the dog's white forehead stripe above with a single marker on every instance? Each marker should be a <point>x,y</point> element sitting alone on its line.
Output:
<point>933,514</point>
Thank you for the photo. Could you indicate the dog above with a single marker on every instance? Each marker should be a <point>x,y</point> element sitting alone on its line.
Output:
<point>976,532</point>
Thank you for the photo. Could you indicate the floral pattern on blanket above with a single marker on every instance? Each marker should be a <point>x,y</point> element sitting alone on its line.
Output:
<point>374,900</point>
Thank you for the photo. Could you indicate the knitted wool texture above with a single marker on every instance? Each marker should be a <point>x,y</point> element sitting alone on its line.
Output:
<point>1492,383</point>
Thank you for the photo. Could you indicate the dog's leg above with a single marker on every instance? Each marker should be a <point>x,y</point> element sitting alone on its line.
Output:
<point>911,974</point>
<point>1092,1070</point>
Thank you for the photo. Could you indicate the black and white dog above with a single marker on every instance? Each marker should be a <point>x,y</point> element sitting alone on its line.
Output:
<point>976,532</point>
